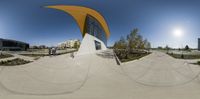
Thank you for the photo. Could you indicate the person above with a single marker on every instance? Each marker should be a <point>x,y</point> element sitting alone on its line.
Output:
<point>54,51</point>
<point>49,51</point>
<point>72,55</point>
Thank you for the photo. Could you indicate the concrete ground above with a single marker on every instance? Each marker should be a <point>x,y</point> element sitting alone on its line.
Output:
<point>97,76</point>
<point>40,51</point>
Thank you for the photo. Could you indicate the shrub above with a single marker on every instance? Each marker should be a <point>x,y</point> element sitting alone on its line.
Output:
<point>14,62</point>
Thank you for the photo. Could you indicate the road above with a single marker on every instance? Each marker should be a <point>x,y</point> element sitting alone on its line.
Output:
<point>97,76</point>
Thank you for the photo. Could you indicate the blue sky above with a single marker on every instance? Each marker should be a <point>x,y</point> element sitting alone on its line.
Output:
<point>29,21</point>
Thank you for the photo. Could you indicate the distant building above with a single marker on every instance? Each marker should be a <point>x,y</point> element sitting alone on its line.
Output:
<point>42,47</point>
<point>69,44</point>
<point>33,47</point>
<point>38,47</point>
<point>13,45</point>
<point>199,44</point>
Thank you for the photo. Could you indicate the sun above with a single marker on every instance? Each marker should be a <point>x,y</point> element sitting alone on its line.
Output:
<point>178,32</point>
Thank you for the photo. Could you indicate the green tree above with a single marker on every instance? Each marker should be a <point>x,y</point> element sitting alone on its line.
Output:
<point>76,45</point>
<point>160,47</point>
<point>140,42</point>
<point>121,44</point>
<point>187,47</point>
<point>132,39</point>
<point>167,48</point>
<point>147,45</point>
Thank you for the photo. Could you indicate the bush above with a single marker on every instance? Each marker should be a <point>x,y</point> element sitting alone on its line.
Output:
<point>127,55</point>
<point>184,56</point>
<point>3,55</point>
<point>14,62</point>
<point>198,62</point>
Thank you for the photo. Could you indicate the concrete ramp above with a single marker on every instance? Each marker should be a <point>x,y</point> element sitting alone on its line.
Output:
<point>98,76</point>
<point>159,69</point>
<point>50,75</point>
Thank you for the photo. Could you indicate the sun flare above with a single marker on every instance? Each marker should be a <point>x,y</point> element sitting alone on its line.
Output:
<point>178,32</point>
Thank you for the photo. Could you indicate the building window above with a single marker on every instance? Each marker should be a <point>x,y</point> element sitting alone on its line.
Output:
<point>94,28</point>
<point>97,45</point>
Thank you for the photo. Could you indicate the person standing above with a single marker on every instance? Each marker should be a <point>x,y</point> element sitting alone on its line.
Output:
<point>49,51</point>
<point>53,51</point>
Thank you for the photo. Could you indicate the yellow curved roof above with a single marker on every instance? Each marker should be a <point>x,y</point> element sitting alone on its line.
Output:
<point>79,14</point>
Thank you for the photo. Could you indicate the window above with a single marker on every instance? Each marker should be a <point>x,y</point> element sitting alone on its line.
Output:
<point>93,27</point>
<point>97,45</point>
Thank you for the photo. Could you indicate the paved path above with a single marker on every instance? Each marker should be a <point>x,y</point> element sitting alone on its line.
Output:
<point>18,56</point>
<point>47,76</point>
<point>45,52</point>
<point>160,69</point>
<point>156,76</point>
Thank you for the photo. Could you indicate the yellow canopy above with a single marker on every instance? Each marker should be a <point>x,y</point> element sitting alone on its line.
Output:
<point>79,14</point>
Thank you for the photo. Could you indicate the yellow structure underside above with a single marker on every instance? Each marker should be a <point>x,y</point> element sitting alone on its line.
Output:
<point>79,14</point>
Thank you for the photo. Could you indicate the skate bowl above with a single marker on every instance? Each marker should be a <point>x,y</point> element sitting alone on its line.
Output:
<point>159,69</point>
<point>47,76</point>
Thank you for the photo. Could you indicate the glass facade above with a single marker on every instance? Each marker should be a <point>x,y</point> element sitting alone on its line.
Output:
<point>93,27</point>
<point>12,45</point>
<point>97,45</point>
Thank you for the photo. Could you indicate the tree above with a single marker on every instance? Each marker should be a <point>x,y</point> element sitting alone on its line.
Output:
<point>132,39</point>
<point>147,45</point>
<point>140,42</point>
<point>76,45</point>
<point>122,40</point>
<point>187,47</point>
<point>121,44</point>
<point>160,47</point>
<point>167,48</point>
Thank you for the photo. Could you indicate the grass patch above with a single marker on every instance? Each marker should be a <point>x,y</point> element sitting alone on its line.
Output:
<point>3,55</point>
<point>35,55</point>
<point>184,56</point>
<point>197,63</point>
<point>14,62</point>
<point>126,56</point>
<point>42,55</point>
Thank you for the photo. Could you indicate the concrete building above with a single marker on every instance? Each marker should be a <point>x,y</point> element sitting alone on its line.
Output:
<point>13,45</point>
<point>93,27</point>
<point>198,44</point>
<point>69,44</point>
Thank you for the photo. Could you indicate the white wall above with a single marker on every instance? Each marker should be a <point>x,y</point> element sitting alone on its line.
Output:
<point>88,45</point>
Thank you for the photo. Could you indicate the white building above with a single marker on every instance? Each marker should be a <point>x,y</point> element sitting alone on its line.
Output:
<point>69,44</point>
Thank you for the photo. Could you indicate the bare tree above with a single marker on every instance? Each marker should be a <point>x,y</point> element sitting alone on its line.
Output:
<point>133,41</point>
